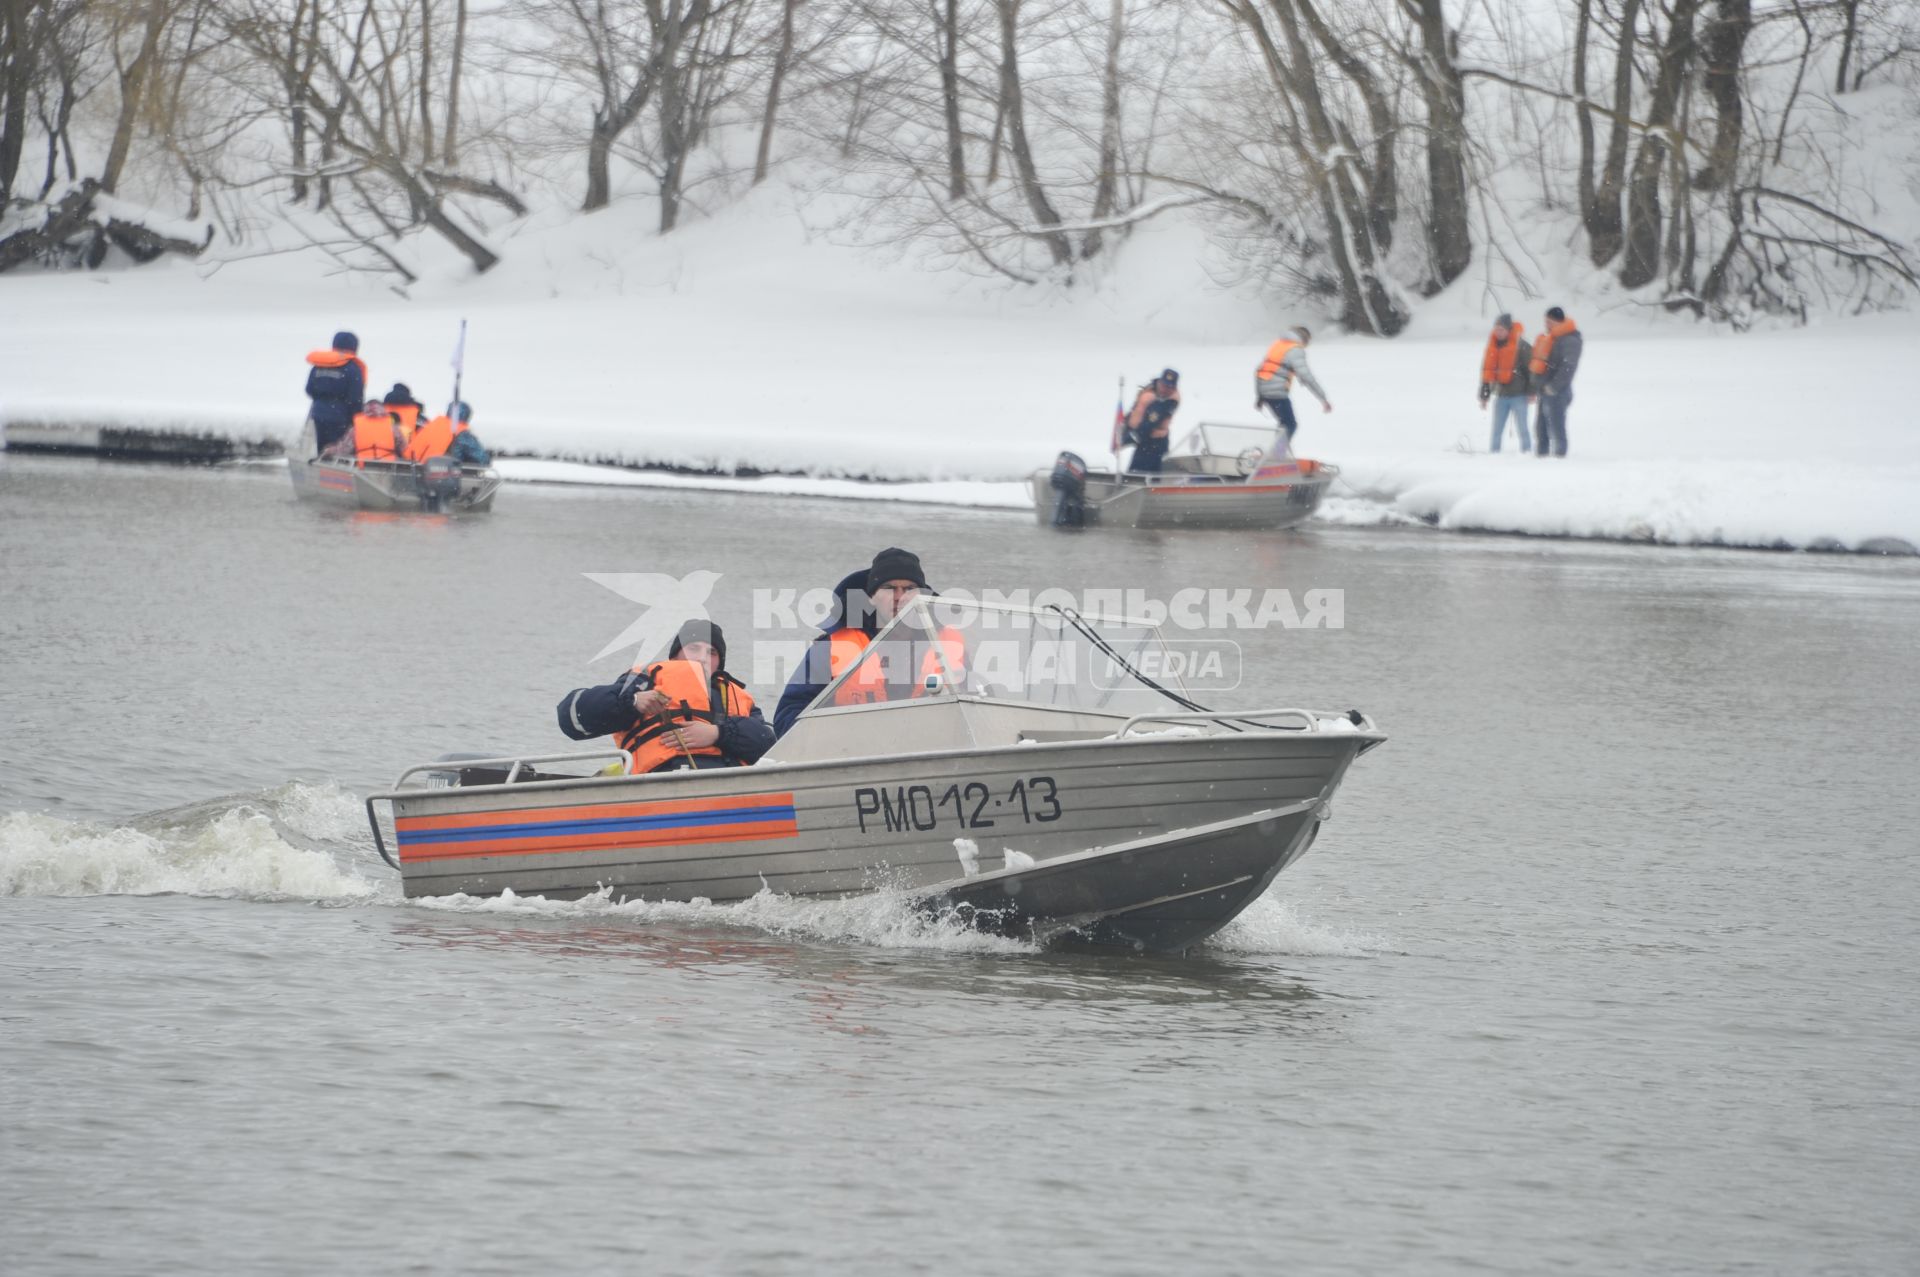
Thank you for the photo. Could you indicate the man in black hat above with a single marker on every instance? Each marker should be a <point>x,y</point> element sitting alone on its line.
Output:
<point>865,602</point>
<point>1150,423</point>
<point>685,711</point>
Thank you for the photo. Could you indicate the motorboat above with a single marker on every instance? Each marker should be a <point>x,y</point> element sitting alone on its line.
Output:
<point>1219,476</point>
<point>1050,788</point>
<point>438,485</point>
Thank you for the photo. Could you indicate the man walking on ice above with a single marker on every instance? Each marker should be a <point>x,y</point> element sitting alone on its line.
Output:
<point>1273,381</point>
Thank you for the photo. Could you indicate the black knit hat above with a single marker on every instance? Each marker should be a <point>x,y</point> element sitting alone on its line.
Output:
<point>400,394</point>
<point>347,342</point>
<point>1556,314</point>
<point>894,564</point>
<point>1503,320</point>
<point>700,632</point>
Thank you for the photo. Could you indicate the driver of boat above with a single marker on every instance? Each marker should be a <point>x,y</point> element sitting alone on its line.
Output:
<point>1151,421</point>
<point>685,711</point>
<point>866,602</point>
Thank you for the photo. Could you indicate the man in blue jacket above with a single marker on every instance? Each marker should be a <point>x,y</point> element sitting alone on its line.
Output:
<point>338,386</point>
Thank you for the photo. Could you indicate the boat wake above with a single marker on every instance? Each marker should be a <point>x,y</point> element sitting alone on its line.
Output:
<point>1274,926</point>
<point>295,842</point>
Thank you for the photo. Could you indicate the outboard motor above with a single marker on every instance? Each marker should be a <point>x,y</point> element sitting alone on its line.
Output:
<point>1069,480</point>
<point>439,482</point>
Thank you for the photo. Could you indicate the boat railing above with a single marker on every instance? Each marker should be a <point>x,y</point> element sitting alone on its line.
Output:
<point>513,763</point>
<point>1304,720</point>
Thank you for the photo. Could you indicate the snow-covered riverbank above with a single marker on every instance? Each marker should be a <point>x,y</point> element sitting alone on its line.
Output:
<point>744,344</point>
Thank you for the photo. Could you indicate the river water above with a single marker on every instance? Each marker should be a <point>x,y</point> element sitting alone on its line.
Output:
<point>1604,964</point>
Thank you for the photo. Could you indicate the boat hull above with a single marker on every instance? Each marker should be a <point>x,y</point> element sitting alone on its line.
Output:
<point>1179,501</point>
<point>392,486</point>
<point>928,823</point>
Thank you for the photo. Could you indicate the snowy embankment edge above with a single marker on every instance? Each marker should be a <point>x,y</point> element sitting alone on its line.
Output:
<point>1769,505</point>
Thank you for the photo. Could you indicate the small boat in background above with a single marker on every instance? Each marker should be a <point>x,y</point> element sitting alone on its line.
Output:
<point>1221,476</point>
<point>439,485</point>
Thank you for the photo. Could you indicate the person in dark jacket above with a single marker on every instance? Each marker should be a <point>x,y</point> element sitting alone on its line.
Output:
<point>466,447</point>
<point>1556,357</point>
<point>732,734</point>
<point>337,385</point>
<point>1504,379</point>
<point>865,602</point>
<point>1151,422</point>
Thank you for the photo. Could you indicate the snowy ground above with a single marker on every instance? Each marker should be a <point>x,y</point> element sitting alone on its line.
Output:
<point>750,341</point>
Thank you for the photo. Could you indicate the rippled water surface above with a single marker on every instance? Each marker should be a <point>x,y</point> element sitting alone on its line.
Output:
<point>1604,965</point>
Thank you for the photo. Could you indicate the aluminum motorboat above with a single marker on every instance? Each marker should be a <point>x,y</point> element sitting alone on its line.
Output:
<point>1046,787</point>
<point>440,485</point>
<point>1218,476</point>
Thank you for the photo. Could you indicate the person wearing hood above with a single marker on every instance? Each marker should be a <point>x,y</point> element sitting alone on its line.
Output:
<point>1556,357</point>
<point>866,602</point>
<point>449,435</point>
<point>337,385</point>
<point>682,712</point>
<point>1273,381</point>
<point>1504,379</point>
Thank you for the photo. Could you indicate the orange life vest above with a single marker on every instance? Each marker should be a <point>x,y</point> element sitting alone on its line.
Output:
<point>407,413</point>
<point>1148,396</point>
<point>1496,367</point>
<point>1543,347</point>
<point>431,440</point>
<point>374,437</point>
<point>655,743</point>
<point>1276,354</point>
<point>869,682</point>
<point>337,359</point>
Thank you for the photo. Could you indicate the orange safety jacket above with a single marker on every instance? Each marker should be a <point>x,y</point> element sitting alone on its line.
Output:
<point>656,742</point>
<point>1276,353</point>
<point>375,438</point>
<point>1496,366</point>
<point>432,440</point>
<point>337,359</point>
<point>869,683</point>
<point>1147,397</point>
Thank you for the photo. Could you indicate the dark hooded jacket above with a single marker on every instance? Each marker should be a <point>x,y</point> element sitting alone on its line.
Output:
<point>337,393</point>
<point>590,712</point>
<point>816,671</point>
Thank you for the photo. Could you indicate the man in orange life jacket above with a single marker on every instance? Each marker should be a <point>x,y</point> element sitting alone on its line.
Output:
<point>336,385</point>
<point>1556,357</point>
<point>866,601</point>
<point>1273,380</point>
<point>376,435</point>
<point>685,711</point>
<point>1151,422</point>
<point>406,410</point>
<point>1504,379</point>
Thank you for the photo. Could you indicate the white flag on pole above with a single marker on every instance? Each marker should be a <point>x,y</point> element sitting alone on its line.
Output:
<point>460,350</point>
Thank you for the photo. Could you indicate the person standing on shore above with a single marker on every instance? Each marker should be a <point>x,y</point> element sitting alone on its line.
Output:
<point>1556,357</point>
<point>1504,380</point>
<point>1273,380</point>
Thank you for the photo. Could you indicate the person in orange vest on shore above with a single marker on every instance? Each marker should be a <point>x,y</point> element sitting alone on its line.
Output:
<point>1504,379</point>
<point>682,712</point>
<point>1556,357</point>
<point>376,434</point>
<point>866,602</point>
<point>1273,380</point>
<point>336,385</point>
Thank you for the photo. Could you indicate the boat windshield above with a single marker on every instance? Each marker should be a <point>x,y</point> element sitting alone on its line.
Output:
<point>1040,655</point>
<point>1226,439</point>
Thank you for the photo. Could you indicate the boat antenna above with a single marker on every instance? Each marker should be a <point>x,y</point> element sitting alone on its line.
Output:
<point>1074,619</point>
<point>459,366</point>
